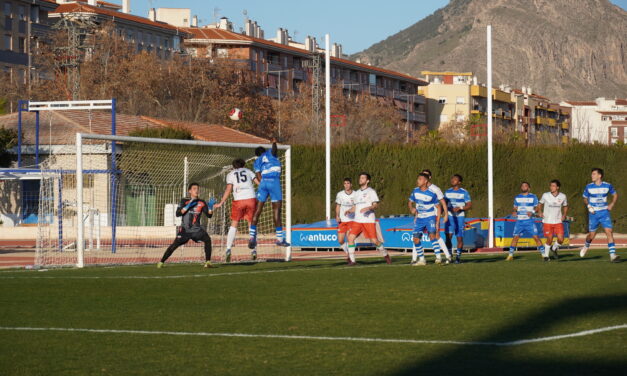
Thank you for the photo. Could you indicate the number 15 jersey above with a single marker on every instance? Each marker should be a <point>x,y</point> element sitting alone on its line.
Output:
<point>242,181</point>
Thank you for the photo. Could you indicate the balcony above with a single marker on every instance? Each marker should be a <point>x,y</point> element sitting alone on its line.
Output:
<point>565,139</point>
<point>501,96</point>
<point>299,74</point>
<point>418,117</point>
<point>274,68</point>
<point>564,125</point>
<point>478,91</point>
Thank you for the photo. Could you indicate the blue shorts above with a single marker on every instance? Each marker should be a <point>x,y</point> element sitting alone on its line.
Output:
<point>269,187</point>
<point>600,218</point>
<point>527,226</point>
<point>423,224</point>
<point>455,225</point>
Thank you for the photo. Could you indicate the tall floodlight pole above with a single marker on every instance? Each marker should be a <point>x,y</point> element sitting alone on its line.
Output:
<point>490,156</point>
<point>327,118</point>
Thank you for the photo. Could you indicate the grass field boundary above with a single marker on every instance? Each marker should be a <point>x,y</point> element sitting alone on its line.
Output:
<point>324,338</point>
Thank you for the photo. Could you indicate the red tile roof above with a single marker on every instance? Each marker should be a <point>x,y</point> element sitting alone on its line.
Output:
<point>60,127</point>
<point>621,102</point>
<point>579,103</point>
<point>211,33</point>
<point>85,8</point>
<point>612,112</point>
<point>107,4</point>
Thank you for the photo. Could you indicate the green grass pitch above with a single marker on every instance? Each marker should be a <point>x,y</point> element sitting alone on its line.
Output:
<point>485,299</point>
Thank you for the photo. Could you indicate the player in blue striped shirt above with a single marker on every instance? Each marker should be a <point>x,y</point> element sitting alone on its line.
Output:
<point>457,202</point>
<point>424,204</point>
<point>525,205</point>
<point>268,170</point>
<point>595,197</point>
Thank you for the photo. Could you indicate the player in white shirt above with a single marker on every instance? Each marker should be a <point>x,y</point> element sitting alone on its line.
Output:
<point>239,182</point>
<point>345,213</point>
<point>366,202</point>
<point>553,206</point>
<point>438,192</point>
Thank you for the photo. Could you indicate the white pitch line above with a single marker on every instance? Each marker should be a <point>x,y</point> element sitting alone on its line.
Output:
<point>323,338</point>
<point>202,275</point>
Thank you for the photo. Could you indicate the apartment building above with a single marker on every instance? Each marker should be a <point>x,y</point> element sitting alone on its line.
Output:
<point>284,64</point>
<point>599,121</point>
<point>457,97</point>
<point>24,26</point>
<point>146,34</point>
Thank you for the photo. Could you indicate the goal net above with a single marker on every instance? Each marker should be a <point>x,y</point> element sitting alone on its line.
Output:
<point>125,212</point>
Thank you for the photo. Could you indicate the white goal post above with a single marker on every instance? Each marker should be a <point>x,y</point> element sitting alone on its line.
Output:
<point>131,187</point>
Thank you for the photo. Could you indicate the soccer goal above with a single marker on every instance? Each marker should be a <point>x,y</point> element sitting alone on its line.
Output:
<point>131,186</point>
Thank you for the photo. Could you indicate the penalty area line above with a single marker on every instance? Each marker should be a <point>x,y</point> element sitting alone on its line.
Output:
<point>322,338</point>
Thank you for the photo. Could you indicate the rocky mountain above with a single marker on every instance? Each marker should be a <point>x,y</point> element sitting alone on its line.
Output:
<point>563,49</point>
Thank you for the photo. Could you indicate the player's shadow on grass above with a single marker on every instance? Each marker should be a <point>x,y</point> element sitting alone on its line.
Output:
<point>503,360</point>
<point>483,260</point>
<point>598,257</point>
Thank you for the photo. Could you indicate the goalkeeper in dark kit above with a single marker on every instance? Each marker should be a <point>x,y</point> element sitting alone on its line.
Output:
<point>191,209</point>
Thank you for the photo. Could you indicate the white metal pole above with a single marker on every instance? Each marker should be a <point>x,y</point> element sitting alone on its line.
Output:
<point>490,156</point>
<point>185,172</point>
<point>327,110</point>
<point>80,234</point>
<point>288,202</point>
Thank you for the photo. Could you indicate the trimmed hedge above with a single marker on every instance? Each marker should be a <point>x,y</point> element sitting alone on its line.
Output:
<point>394,169</point>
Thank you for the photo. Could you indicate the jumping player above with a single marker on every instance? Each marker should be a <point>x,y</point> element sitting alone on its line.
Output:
<point>268,170</point>
<point>551,205</point>
<point>435,189</point>
<point>366,202</point>
<point>239,182</point>
<point>595,197</point>
<point>423,203</point>
<point>345,213</point>
<point>191,209</point>
<point>458,202</point>
<point>525,205</point>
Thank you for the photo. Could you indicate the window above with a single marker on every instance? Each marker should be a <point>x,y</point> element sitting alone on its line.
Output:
<point>223,52</point>
<point>166,43</point>
<point>614,131</point>
<point>460,100</point>
<point>69,181</point>
<point>34,13</point>
<point>372,79</point>
<point>21,13</point>
<point>7,42</point>
<point>442,100</point>
<point>139,37</point>
<point>129,35</point>
<point>21,45</point>
<point>8,17</point>
<point>443,118</point>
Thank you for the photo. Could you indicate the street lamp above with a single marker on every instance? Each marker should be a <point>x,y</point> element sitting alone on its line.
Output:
<point>279,86</point>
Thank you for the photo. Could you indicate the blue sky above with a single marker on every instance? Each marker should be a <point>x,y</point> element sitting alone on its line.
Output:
<point>355,24</point>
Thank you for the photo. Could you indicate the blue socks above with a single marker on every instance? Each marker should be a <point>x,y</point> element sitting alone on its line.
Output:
<point>612,247</point>
<point>280,234</point>
<point>512,250</point>
<point>253,231</point>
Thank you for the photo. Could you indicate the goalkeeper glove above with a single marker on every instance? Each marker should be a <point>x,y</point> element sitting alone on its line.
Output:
<point>212,201</point>
<point>190,204</point>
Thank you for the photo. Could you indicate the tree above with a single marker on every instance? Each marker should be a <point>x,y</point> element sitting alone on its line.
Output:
<point>8,140</point>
